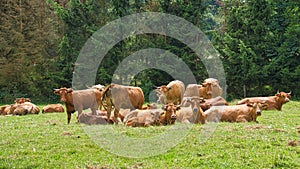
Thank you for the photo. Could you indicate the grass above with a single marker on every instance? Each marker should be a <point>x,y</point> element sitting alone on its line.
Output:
<point>46,141</point>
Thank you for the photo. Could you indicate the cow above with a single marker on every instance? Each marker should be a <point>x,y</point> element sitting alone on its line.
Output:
<point>22,100</point>
<point>24,108</point>
<point>169,116</point>
<point>206,103</point>
<point>271,103</point>
<point>117,96</point>
<point>192,90</point>
<point>171,93</point>
<point>4,110</point>
<point>90,119</point>
<point>50,108</point>
<point>210,88</point>
<point>150,106</point>
<point>79,100</point>
<point>193,113</point>
<point>236,113</point>
<point>143,118</point>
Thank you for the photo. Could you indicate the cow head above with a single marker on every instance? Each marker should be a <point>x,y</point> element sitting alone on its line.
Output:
<point>257,107</point>
<point>283,97</point>
<point>195,103</point>
<point>170,112</point>
<point>22,100</point>
<point>62,92</point>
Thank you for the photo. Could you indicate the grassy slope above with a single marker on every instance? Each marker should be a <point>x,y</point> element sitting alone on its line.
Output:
<point>45,141</point>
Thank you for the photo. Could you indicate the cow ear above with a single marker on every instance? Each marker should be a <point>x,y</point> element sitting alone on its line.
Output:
<point>168,88</point>
<point>178,107</point>
<point>56,91</point>
<point>164,107</point>
<point>250,104</point>
<point>69,90</point>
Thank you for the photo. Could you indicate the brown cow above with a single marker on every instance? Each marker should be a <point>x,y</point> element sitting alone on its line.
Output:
<point>237,113</point>
<point>210,88</point>
<point>143,118</point>
<point>50,108</point>
<point>172,93</point>
<point>119,96</point>
<point>22,100</point>
<point>271,102</point>
<point>169,116</point>
<point>79,100</point>
<point>24,108</point>
<point>193,113</point>
<point>207,103</point>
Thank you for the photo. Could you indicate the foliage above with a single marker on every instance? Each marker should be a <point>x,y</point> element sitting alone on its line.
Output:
<point>40,42</point>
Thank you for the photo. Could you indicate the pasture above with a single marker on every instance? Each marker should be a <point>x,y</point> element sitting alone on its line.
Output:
<point>46,141</point>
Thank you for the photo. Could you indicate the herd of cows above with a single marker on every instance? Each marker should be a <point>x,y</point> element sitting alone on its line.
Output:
<point>114,103</point>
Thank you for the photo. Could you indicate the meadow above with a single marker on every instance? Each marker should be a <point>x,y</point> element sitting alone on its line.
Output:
<point>46,141</point>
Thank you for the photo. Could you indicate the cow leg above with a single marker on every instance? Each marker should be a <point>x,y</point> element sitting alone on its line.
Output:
<point>94,111</point>
<point>69,117</point>
<point>79,113</point>
<point>241,119</point>
<point>116,114</point>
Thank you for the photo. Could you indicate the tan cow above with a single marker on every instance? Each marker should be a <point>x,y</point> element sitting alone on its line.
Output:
<point>210,88</point>
<point>143,118</point>
<point>79,100</point>
<point>236,113</point>
<point>171,93</point>
<point>206,103</point>
<point>272,102</point>
<point>51,108</point>
<point>192,90</point>
<point>193,113</point>
<point>118,96</point>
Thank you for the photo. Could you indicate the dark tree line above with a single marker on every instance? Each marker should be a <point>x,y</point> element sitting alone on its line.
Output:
<point>40,41</point>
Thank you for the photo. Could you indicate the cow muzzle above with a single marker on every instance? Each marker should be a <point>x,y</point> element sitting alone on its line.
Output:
<point>173,116</point>
<point>258,112</point>
<point>195,110</point>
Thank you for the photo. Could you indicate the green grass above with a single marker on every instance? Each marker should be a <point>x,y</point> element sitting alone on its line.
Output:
<point>46,141</point>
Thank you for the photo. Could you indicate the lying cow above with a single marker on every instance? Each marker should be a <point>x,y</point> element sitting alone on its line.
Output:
<point>237,113</point>
<point>118,96</point>
<point>143,118</point>
<point>24,109</point>
<point>171,93</point>
<point>272,102</point>
<point>4,110</point>
<point>79,100</point>
<point>206,103</point>
<point>90,119</point>
<point>51,108</point>
<point>193,113</point>
<point>169,116</point>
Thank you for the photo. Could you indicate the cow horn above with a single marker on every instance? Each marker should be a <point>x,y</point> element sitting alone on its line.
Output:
<point>277,91</point>
<point>289,93</point>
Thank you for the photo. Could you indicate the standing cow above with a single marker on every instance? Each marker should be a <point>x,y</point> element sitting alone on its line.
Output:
<point>272,102</point>
<point>79,100</point>
<point>118,96</point>
<point>172,93</point>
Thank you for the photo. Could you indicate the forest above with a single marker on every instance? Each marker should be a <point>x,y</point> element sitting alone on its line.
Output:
<point>258,41</point>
